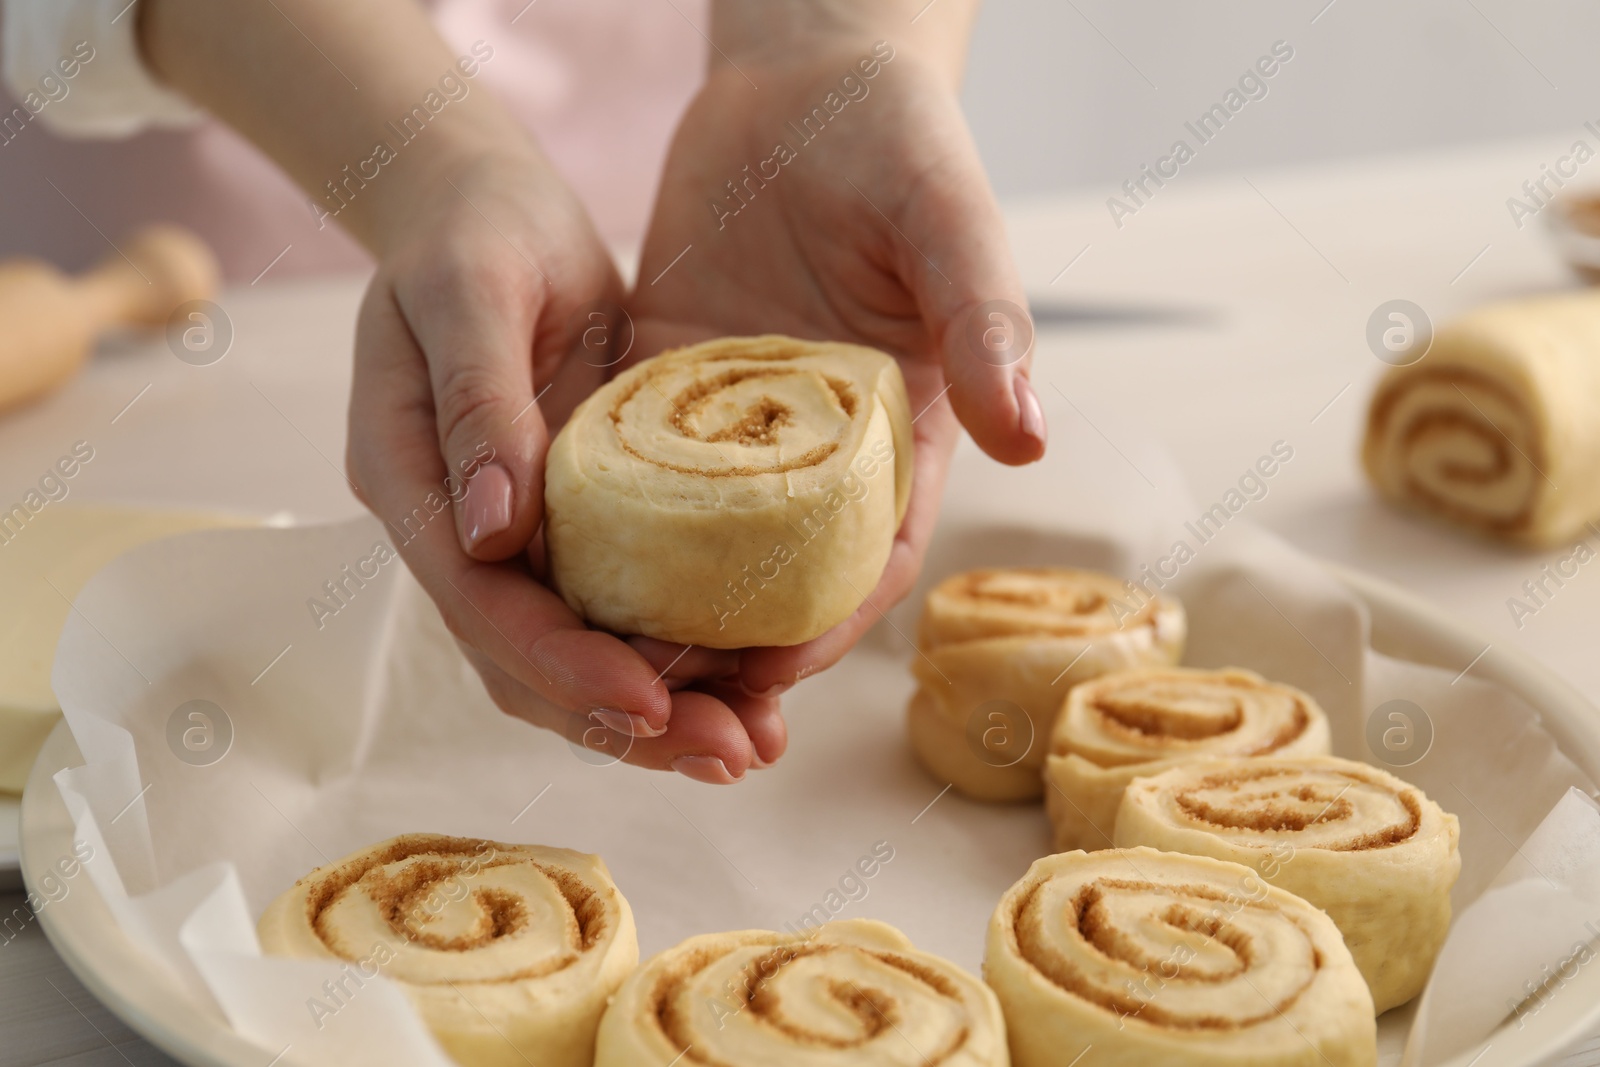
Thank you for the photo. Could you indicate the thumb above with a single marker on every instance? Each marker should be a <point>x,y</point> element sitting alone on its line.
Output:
<point>475,329</point>
<point>973,304</point>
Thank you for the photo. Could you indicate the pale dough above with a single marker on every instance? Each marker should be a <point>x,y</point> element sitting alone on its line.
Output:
<point>1140,958</point>
<point>998,650</point>
<point>1497,427</point>
<point>1139,722</point>
<point>508,952</point>
<point>1373,852</point>
<point>740,492</point>
<point>852,992</point>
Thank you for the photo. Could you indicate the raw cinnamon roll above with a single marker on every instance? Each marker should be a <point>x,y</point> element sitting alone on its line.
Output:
<point>509,952</point>
<point>1159,958</point>
<point>740,492</point>
<point>1137,723</point>
<point>1497,427</point>
<point>1373,852</point>
<point>850,992</point>
<point>1000,648</point>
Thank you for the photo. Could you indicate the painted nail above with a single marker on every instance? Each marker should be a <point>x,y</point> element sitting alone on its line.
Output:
<point>1030,416</point>
<point>486,507</point>
<point>707,769</point>
<point>626,724</point>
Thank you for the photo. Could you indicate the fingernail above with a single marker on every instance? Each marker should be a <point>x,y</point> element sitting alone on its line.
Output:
<point>707,769</point>
<point>757,763</point>
<point>624,723</point>
<point>486,507</point>
<point>1030,416</point>
<point>777,690</point>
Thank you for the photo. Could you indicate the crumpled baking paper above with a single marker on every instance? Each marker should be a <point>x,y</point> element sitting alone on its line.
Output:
<point>350,725</point>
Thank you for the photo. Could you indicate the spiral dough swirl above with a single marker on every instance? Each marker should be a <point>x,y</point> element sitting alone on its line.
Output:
<point>1136,716</point>
<point>742,491</point>
<point>1000,648</point>
<point>854,992</point>
<point>457,921</point>
<point>1141,953</point>
<point>741,412</point>
<point>1494,426</point>
<point>1372,851</point>
<point>1034,601</point>
<point>1136,723</point>
<point>1460,444</point>
<point>1312,804</point>
<point>1091,941</point>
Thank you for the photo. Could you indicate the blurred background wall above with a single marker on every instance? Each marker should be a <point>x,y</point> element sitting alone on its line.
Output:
<point>1071,93</point>
<point>1062,94</point>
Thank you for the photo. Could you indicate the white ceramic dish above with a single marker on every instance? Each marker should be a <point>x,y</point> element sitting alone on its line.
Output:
<point>113,968</point>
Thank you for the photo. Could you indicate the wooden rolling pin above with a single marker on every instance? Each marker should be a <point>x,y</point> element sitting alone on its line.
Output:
<point>49,322</point>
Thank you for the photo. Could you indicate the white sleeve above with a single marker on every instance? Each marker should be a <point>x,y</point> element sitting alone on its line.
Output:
<point>75,66</point>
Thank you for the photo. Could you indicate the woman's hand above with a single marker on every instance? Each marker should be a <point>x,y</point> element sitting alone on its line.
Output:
<point>805,195</point>
<point>496,295</point>
<point>489,278</point>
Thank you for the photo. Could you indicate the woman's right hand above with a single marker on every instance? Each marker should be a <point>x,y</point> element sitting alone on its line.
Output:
<point>482,330</point>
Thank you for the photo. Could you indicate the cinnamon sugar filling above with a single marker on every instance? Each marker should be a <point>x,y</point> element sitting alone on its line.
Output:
<point>1274,812</point>
<point>1078,608</point>
<point>760,425</point>
<point>399,896</point>
<point>1193,910</point>
<point>1148,719</point>
<point>755,991</point>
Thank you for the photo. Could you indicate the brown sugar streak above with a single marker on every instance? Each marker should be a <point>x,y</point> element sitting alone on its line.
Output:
<point>1080,610</point>
<point>1146,719</point>
<point>1269,817</point>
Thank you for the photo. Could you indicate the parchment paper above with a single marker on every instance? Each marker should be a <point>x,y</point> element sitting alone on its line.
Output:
<point>367,723</point>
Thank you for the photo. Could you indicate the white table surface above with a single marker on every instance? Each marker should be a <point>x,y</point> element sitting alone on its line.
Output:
<point>1230,312</point>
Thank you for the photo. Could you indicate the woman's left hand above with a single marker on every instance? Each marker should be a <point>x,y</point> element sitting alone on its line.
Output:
<point>875,224</point>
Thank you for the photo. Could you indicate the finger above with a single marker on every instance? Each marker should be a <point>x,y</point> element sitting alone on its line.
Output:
<point>762,718</point>
<point>681,665</point>
<point>706,740</point>
<point>531,631</point>
<point>471,308</point>
<point>974,306</point>
<point>770,672</point>
<point>521,626</point>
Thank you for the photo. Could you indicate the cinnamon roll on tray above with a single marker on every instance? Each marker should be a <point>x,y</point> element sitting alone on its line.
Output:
<point>1137,723</point>
<point>745,491</point>
<point>998,651</point>
<point>850,992</point>
<point>1370,850</point>
<point>1137,958</point>
<point>1496,426</point>
<point>508,952</point>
